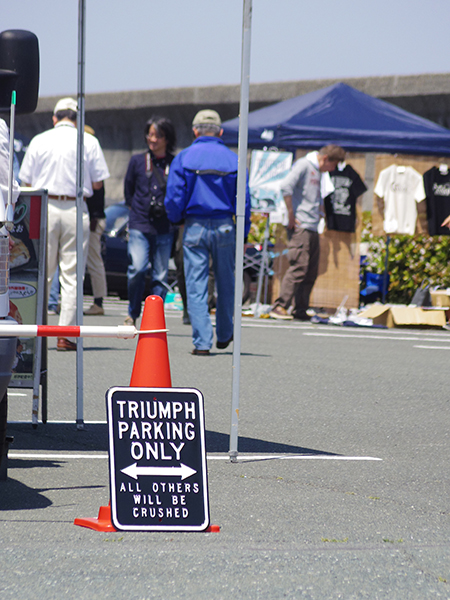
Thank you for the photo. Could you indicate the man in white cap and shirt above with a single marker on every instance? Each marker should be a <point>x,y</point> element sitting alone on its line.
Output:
<point>50,163</point>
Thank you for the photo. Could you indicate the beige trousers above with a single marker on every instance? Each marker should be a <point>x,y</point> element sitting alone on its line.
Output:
<point>95,265</point>
<point>62,250</point>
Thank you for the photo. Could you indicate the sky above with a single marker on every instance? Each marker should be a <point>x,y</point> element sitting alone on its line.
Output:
<point>150,44</point>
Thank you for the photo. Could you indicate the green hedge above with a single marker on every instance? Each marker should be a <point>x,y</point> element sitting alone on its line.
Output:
<point>257,228</point>
<point>412,260</point>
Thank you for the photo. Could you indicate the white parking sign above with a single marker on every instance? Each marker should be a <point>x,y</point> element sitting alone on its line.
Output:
<point>157,459</point>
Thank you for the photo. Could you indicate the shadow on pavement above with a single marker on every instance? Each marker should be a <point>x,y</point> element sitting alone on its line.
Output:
<point>15,495</point>
<point>94,437</point>
<point>59,436</point>
<point>219,442</point>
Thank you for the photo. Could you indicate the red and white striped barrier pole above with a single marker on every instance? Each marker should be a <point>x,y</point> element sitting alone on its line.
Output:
<point>120,331</point>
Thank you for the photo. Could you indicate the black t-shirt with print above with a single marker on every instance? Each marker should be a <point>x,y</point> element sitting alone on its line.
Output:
<point>437,190</point>
<point>340,206</point>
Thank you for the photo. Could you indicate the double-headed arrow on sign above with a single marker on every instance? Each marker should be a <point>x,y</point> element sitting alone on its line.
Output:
<point>182,471</point>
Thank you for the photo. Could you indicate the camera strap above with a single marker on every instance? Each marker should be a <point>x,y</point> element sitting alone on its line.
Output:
<point>162,184</point>
<point>162,180</point>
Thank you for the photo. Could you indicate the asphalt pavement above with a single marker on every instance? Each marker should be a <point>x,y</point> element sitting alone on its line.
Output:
<point>341,488</point>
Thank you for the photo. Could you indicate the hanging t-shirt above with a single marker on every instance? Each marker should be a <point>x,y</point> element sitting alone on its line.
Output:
<point>437,190</point>
<point>340,206</point>
<point>401,188</point>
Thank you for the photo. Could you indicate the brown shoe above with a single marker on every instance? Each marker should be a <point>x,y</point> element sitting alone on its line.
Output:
<point>197,352</point>
<point>64,344</point>
<point>278,312</point>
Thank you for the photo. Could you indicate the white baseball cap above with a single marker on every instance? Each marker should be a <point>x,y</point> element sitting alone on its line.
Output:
<point>207,117</point>
<point>66,104</point>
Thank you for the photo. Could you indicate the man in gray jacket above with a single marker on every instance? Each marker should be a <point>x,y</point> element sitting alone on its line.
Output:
<point>302,194</point>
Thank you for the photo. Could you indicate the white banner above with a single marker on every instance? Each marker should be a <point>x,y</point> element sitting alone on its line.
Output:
<point>267,171</point>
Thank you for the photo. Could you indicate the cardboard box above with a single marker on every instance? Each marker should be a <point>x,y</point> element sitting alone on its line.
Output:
<point>393,315</point>
<point>440,298</point>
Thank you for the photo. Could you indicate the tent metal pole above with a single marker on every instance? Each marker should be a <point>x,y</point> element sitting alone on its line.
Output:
<point>262,266</point>
<point>240,223</point>
<point>12,125</point>
<point>386,272</point>
<point>79,204</point>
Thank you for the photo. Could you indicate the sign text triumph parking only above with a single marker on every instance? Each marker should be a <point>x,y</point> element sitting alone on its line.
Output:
<point>157,459</point>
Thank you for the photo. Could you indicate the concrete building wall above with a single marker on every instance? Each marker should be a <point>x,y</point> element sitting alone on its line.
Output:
<point>119,118</point>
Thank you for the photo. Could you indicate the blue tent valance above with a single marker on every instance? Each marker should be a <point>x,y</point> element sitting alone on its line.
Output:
<point>341,115</point>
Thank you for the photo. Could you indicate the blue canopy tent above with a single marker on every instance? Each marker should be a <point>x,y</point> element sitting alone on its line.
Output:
<point>341,115</point>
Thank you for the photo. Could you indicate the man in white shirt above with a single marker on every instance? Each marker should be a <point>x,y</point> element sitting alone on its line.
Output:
<point>50,163</point>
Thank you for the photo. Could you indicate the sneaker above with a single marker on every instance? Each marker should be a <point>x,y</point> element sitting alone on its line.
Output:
<point>278,312</point>
<point>95,309</point>
<point>129,321</point>
<point>63,345</point>
<point>197,352</point>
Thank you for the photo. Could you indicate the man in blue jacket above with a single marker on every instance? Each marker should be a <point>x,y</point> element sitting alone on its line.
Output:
<point>201,189</point>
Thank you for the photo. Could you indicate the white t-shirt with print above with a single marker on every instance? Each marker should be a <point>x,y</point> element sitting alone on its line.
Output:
<point>402,188</point>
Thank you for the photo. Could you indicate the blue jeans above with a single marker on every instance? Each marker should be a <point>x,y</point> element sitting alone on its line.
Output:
<point>204,238</point>
<point>146,251</point>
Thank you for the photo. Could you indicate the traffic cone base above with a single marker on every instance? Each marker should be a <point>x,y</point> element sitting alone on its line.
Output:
<point>101,523</point>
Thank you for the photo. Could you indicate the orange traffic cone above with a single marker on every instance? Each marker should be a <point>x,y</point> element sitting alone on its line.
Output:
<point>151,369</point>
<point>151,363</point>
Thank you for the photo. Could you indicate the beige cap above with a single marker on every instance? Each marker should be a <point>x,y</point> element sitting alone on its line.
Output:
<point>66,104</point>
<point>207,117</point>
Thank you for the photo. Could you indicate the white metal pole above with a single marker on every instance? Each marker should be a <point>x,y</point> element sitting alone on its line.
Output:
<point>12,125</point>
<point>80,187</point>
<point>240,223</point>
<point>262,265</point>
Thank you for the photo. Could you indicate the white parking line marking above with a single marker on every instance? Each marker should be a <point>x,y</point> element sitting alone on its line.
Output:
<point>58,423</point>
<point>241,458</point>
<point>275,325</point>
<point>310,329</point>
<point>374,337</point>
<point>250,457</point>
<point>432,347</point>
<point>54,456</point>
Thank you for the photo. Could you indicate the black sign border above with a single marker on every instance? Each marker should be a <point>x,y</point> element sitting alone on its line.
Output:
<point>112,469</point>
